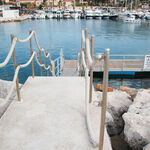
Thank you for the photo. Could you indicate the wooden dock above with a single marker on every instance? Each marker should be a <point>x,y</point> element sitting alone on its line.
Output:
<point>117,68</point>
<point>114,65</point>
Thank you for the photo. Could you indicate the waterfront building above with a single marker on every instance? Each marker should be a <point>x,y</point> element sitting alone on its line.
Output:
<point>10,14</point>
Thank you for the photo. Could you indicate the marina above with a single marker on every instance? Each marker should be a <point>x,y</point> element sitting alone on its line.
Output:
<point>75,72</point>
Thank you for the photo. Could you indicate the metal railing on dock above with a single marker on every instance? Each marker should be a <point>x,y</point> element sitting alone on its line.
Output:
<point>50,66</point>
<point>122,63</point>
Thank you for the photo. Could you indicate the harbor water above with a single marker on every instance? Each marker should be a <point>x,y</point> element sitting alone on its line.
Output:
<point>120,37</point>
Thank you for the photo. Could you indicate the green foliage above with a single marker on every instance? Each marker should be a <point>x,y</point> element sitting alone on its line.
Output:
<point>1,2</point>
<point>27,5</point>
<point>59,4</point>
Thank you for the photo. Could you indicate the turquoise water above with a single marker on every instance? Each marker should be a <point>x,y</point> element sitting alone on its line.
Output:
<point>121,38</point>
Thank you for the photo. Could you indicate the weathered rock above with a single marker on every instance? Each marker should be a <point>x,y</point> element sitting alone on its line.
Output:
<point>131,91</point>
<point>137,121</point>
<point>117,104</point>
<point>147,147</point>
<point>5,87</point>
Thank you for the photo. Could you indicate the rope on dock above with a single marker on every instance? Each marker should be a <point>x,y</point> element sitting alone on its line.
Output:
<point>33,54</point>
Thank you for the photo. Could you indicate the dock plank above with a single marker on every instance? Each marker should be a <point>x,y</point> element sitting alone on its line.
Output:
<point>114,65</point>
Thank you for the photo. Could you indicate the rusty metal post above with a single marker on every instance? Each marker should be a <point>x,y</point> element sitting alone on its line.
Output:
<point>104,98</point>
<point>15,66</point>
<point>47,62</point>
<point>31,52</point>
<point>40,62</point>
<point>91,70</point>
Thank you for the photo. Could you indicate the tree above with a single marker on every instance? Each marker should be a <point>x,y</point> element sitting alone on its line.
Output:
<point>1,2</point>
<point>59,4</point>
<point>64,5</point>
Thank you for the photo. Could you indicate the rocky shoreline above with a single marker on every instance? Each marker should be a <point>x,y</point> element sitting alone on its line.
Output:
<point>128,116</point>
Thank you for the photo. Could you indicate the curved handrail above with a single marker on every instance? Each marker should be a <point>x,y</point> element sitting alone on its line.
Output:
<point>85,62</point>
<point>88,52</point>
<point>83,36</point>
<point>91,135</point>
<point>86,48</point>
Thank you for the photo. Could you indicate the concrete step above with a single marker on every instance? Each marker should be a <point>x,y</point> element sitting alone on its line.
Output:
<point>51,116</point>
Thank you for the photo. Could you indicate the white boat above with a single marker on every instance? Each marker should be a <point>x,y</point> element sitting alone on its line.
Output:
<point>132,19</point>
<point>105,15</point>
<point>34,16</point>
<point>59,14</point>
<point>75,15</point>
<point>147,16</point>
<point>66,14</point>
<point>89,13</point>
<point>40,14</point>
<point>49,15</point>
<point>97,14</point>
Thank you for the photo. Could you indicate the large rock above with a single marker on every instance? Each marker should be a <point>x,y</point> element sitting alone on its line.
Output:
<point>117,104</point>
<point>5,87</point>
<point>131,91</point>
<point>137,121</point>
<point>147,147</point>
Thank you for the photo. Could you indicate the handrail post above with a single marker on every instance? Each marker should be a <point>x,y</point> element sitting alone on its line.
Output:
<point>15,66</point>
<point>104,98</point>
<point>53,68</point>
<point>47,63</point>
<point>91,70</point>
<point>61,60</point>
<point>31,52</point>
<point>86,36</point>
<point>57,67</point>
<point>40,62</point>
<point>50,69</point>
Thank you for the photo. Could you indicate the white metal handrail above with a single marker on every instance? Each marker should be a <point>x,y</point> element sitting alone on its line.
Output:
<point>91,133</point>
<point>86,64</point>
<point>125,62</point>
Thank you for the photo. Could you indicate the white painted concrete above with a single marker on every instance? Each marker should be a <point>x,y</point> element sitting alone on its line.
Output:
<point>51,116</point>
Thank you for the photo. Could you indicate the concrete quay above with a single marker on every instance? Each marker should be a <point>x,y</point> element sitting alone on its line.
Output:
<point>18,19</point>
<point>51,115</point>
